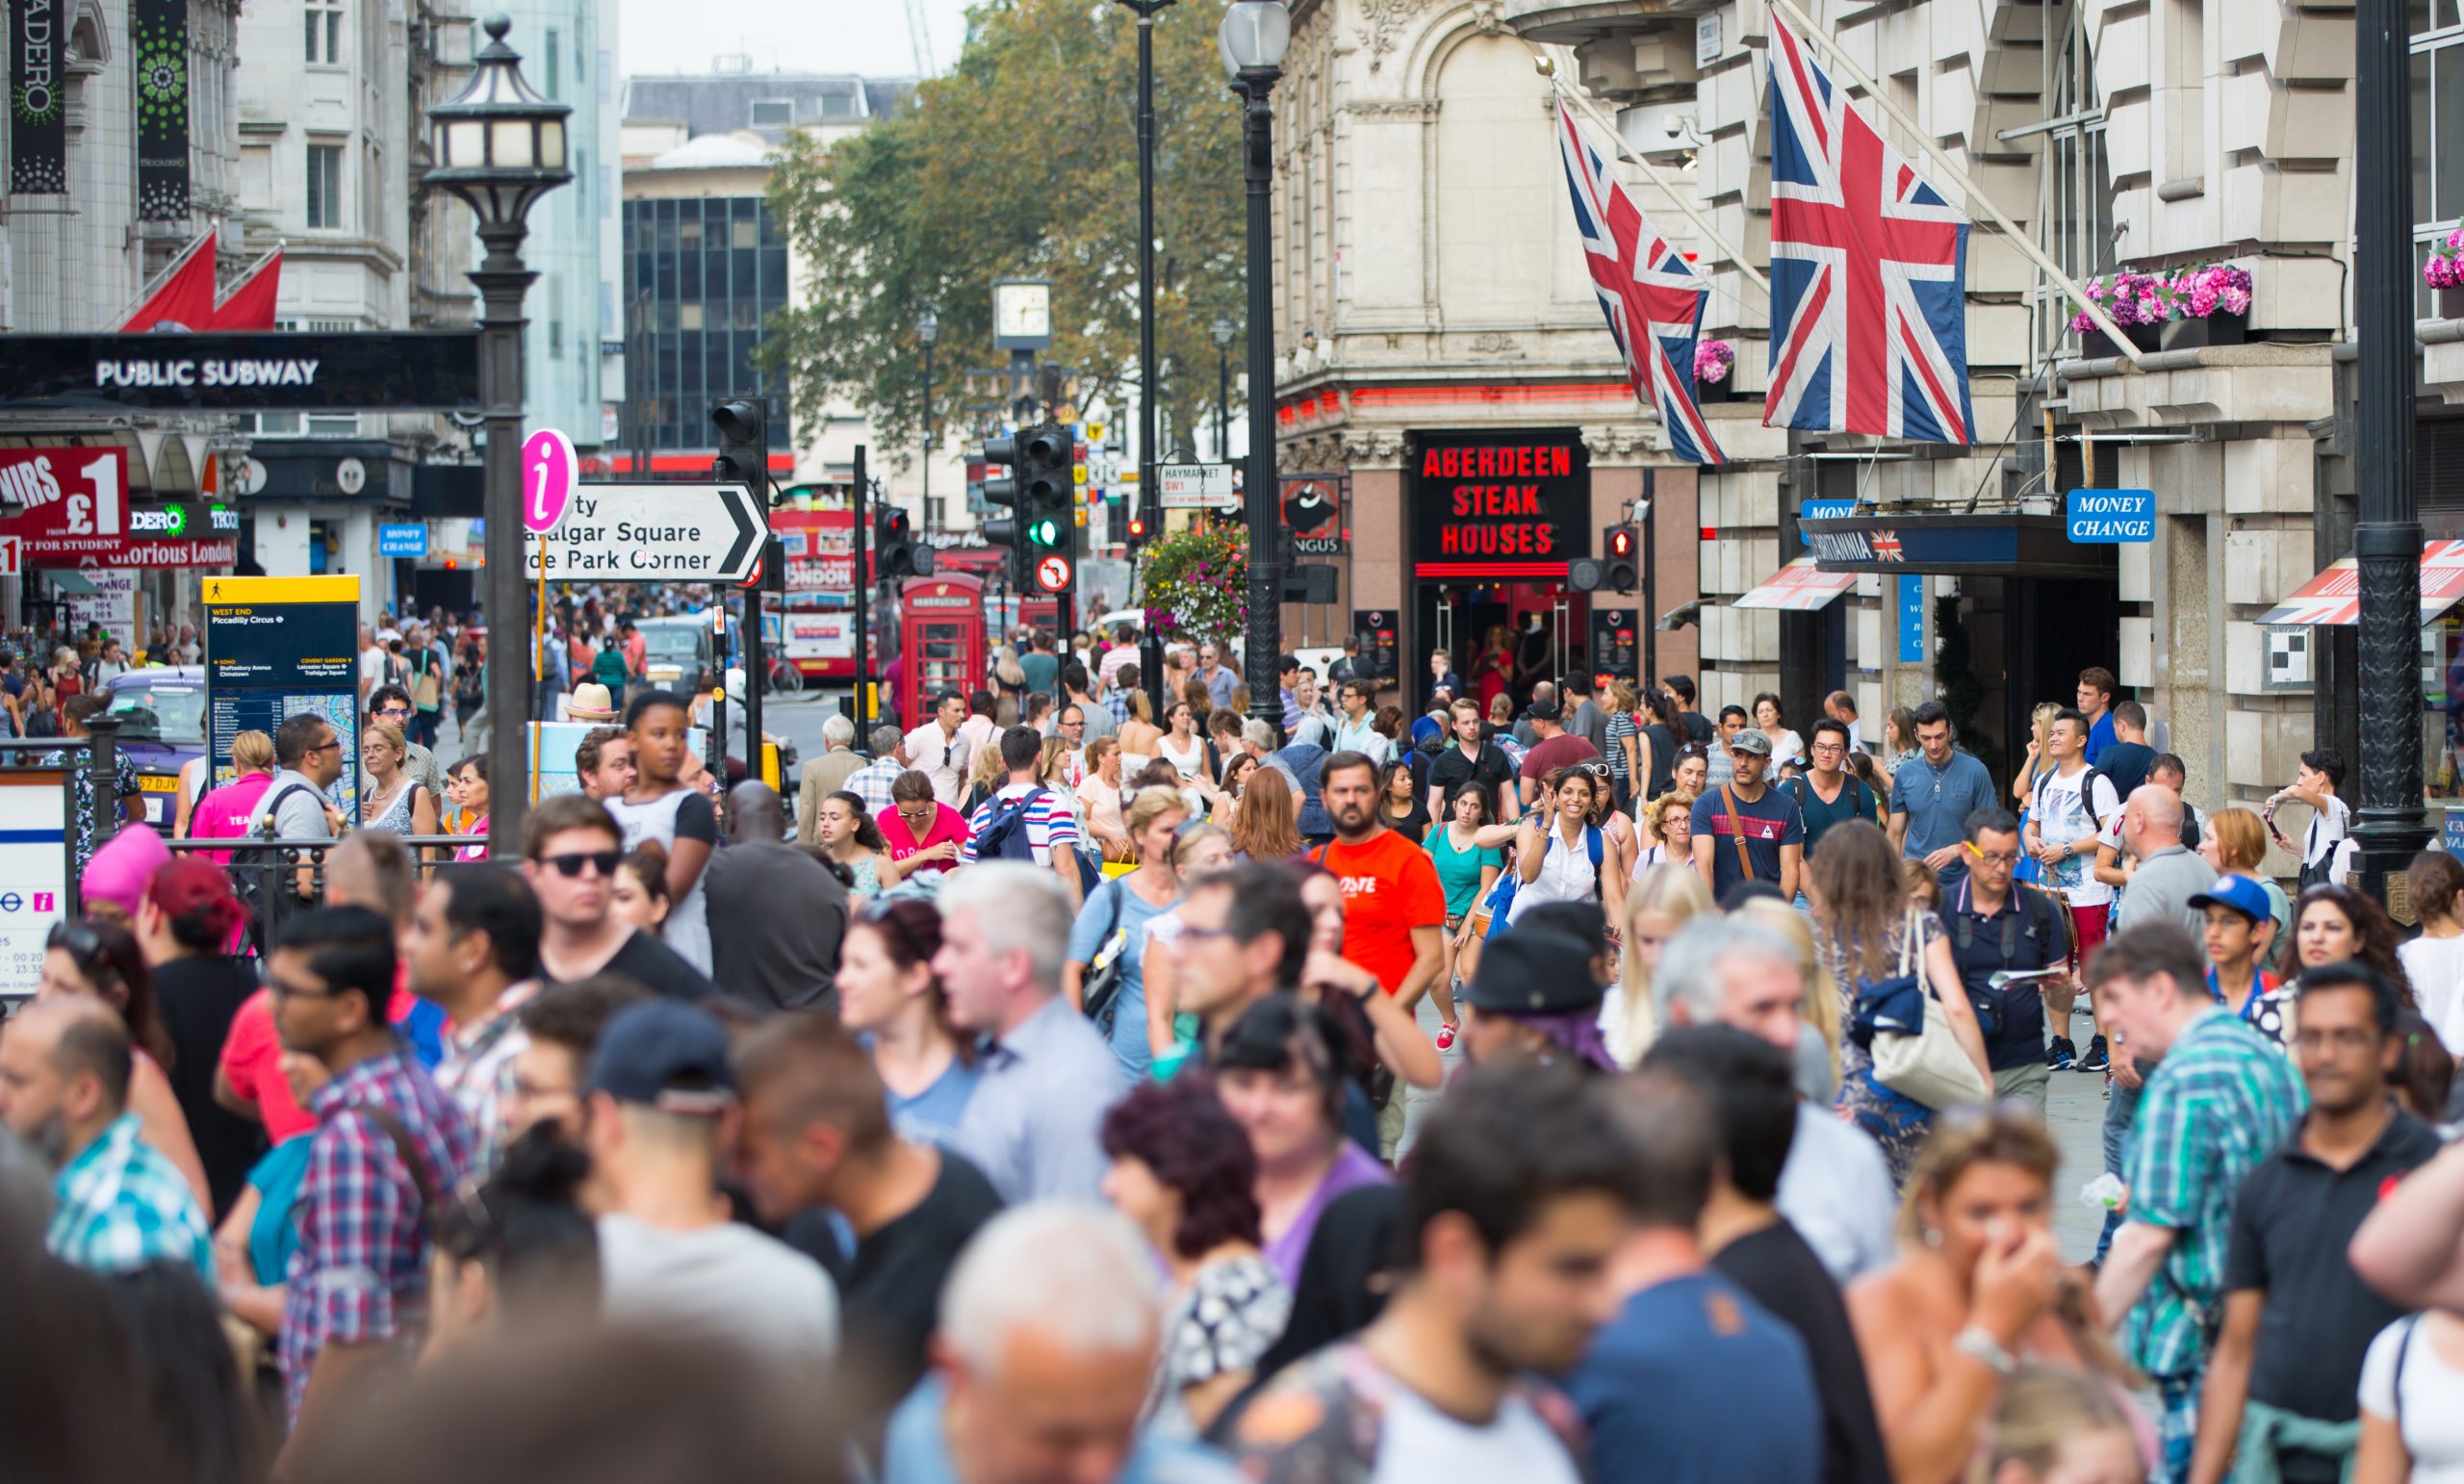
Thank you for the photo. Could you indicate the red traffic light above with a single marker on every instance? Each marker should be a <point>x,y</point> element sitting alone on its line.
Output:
<point>1620,541</point>
<point>1137,528</point>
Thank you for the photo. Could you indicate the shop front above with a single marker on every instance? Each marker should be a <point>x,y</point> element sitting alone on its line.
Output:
<point>1494,517</point>
<point>91,556</point>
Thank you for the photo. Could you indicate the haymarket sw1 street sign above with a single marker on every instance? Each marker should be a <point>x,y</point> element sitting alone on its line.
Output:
<point>651,533</point>
<point>1196,486</point>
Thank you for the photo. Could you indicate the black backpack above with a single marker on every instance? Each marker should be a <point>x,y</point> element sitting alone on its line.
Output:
<point>2041,910</point>
<point>264,887</point>
<point>2086,795</point>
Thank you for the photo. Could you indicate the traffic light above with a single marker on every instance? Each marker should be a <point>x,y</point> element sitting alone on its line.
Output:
<point>1047,502</point>
<point>999,452</point>
<point>744,444</point>
<point>896,553</point>
<point>1623,545</point>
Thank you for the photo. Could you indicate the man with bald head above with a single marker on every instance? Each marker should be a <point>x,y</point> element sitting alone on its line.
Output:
<point>2167,874</point>
<point>117,1203</point>
<point>776,913</point>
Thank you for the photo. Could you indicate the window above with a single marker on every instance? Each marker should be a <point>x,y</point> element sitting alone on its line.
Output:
<point>2438,105</point>
<point>333,424</point>
<point>324,23</point>
<point>556,320</point>
<point>554,69</point>
<point>838,105</point>
<point>256,177</point>
<point>688,316</point>
<point>2075,216</point>
<point>774,113</point>
<point>271,425</point>
<point>744,232</point>
<point>324,187</point>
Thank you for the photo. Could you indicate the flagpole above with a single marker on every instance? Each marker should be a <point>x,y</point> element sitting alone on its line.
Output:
<point>1811,31</point>
<point>154,285</point>
<point>1547,69</point>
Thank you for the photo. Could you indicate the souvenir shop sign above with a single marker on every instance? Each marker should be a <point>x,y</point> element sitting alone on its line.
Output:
<point>1510,504</point>
<point>70,507</point>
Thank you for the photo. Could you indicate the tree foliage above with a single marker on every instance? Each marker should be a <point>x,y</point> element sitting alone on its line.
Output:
<point>1020,162</point>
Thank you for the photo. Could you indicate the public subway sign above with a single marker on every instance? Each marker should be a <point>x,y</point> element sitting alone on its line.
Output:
<point>2111,517</point>
<point>1510,504</point>
<point>269,372</point>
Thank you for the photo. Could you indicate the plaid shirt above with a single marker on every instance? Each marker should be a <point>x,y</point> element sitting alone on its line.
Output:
<point>1117,702</point>
<point>871,783</point>
<point>2220,1101</point>
<point>360,1274</point>
<point>121,1205</point>
<point>476,1071</point>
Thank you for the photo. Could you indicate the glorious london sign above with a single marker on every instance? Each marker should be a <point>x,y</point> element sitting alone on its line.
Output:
<point>1508,504</point>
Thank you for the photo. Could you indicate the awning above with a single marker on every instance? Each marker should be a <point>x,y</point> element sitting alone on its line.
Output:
<point>1800,586</point>
<point>2334,596</point>
<point>1990,544</point>
<point>69,582</point>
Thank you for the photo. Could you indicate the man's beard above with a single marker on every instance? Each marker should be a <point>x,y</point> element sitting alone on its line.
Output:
<point>49,1139</point>
<point>1351,822</point>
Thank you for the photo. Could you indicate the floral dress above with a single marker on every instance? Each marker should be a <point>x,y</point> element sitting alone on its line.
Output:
<point>1897,1123</point>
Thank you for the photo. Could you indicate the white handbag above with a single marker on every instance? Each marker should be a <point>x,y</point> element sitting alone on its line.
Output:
<point>1930,1068</point>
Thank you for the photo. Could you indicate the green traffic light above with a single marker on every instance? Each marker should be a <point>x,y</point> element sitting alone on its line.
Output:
<point>1045,532</point>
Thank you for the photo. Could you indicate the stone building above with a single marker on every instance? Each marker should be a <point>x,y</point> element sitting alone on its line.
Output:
<point>1424,263</point>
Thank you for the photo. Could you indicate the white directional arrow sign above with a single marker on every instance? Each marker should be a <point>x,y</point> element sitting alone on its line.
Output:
<point>651,533</point>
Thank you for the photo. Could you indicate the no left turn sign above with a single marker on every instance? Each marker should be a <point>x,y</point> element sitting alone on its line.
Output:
<point>1052,573</point>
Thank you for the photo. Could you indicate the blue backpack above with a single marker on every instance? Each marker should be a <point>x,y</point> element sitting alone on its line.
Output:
<point>1501,895</point>
<point>1307,762</point>
<point>1006,838</point>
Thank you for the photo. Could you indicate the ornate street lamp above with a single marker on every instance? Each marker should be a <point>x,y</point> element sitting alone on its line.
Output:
<point>500,146</point>
<point>1253,37</point>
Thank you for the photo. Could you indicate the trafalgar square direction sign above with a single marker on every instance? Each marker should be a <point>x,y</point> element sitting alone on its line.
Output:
<point>696,533</point>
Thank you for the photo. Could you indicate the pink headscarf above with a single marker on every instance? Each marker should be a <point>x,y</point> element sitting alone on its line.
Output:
<point>121,870</point>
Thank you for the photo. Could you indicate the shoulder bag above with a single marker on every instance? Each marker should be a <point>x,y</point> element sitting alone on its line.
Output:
<point>1914,1052</point>
<point>1736,833</point>
<point>1100,991</point>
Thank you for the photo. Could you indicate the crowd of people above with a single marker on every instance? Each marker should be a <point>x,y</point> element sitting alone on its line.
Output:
<point>1607,1092</point>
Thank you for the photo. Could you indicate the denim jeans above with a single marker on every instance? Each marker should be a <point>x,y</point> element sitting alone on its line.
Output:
<point>2118,1115</point>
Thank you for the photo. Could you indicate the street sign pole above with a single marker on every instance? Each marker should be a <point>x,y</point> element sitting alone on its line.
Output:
<point>860,587</point>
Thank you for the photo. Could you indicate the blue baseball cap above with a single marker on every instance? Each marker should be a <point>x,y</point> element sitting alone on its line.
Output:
<point>2239,893</point>
<point>665,1054</point>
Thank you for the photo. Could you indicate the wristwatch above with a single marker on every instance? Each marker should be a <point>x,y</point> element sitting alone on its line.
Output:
<point>1975,1344</point>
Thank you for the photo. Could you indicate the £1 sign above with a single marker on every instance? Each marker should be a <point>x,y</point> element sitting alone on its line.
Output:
<point>549,472</point>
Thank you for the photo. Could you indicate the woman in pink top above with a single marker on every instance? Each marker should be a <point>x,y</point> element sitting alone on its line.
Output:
<point>923,834</point>
<point>230,812</point>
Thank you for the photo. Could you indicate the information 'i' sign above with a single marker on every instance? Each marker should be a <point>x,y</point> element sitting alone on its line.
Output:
<point>549,472</point>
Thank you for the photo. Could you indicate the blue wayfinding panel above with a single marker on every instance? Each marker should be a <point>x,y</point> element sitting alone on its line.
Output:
<point>2111,517</point>
<point>1912,620</point>
<point>404,540</point>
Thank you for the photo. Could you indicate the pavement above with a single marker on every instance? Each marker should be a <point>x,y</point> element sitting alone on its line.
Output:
<point>2074,1113</point>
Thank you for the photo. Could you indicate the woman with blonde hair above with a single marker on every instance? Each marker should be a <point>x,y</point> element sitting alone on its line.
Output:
<point>1112,925</point>
<point>1265,823</point>
<point>984,779</point>
<point>1663,899</point>
<point>1868,930</point>
<point>1201,850</point>
<point>2061,1426</point>
<point>1980,1274</point>
<point>1670,822</point>
<point>2234,841</point>
<point>1139,734</point>
<point>2023,782</point>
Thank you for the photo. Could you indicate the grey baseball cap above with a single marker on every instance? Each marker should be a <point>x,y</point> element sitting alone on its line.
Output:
<point>1751,739</point>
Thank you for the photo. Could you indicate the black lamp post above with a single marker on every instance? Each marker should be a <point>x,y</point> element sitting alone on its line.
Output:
<point>500,146</point>
<point>2387,542</point>
<point>1224,333</point>
<point>928,330</point>
<point>1253,37</point>
<point>1151,649</point>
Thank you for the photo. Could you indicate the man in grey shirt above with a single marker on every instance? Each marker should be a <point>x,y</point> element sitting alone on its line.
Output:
<point>1588,722</point>
<point>1049,1078</point>
<point>1932,796</point>
<point>309,758</point>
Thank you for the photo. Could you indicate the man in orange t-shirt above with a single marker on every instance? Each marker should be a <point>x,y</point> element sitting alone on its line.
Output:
<point>1394,908</point>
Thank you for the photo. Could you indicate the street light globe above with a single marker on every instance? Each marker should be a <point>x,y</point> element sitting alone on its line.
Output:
<point>1254,36</point>
<point>1223,331</point>
<point>929,328</point>
<point>499,144</point>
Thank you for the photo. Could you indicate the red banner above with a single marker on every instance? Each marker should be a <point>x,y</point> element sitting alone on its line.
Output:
<point>73,511</point>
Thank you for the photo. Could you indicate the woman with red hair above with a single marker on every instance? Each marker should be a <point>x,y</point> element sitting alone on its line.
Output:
<point>187,926</point>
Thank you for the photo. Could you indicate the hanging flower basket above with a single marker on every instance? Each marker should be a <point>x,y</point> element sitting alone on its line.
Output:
<point>2444,272</point>
<point>1196,584</point>
<point>1714,361</point>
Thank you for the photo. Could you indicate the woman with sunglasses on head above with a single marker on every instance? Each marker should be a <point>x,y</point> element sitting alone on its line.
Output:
<point>1691,771</point>
<point>102,960</point>
<point>848,835</point>
<point>924,834</point>
<point>888,995</point>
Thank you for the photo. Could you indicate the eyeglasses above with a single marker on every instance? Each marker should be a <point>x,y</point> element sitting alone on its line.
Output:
<point>284,990</point>
<point>395,713</point>
<point>2008,858</point>
<point>569,866</point>
<point>2348,1039</point>
<point>329,745</point>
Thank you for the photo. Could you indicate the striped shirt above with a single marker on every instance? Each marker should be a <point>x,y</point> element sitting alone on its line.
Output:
<point>1051,821</point>
<point>2220,1101</point>
<point>120,1205</point>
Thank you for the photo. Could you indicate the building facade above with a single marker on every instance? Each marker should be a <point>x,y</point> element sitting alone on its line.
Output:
<point>1444,378</point>
<point>1424,261</point>
<point>333,106</point>
<point>82,232</point>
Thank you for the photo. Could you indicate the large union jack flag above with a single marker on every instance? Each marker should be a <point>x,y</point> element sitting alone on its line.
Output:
<point>1650,294</point>
<point>1868,272</point>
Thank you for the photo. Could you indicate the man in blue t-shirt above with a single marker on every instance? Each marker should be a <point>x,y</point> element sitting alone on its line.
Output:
<point>2098,688</point>
<point>1691,1380</point>
<point>1933,794</point>
<point>1747,812</point>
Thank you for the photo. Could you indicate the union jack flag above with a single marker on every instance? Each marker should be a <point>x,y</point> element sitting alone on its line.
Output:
<point>1651,295</point>
<point>1868,272</point>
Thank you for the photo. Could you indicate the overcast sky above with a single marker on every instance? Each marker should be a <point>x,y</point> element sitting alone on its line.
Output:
<point>864,36</point>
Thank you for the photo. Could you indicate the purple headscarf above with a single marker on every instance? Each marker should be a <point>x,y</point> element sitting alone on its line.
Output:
<point>122,869</point>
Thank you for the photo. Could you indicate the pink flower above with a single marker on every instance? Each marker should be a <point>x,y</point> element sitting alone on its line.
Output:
<point>2439,272</point>
<point>2236,302</point>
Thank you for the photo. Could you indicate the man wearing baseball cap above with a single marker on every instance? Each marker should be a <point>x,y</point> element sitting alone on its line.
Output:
<point>1745,830</point>
<point>2239,930</point>
<point>1534,997</point>
<point>667,1256</point>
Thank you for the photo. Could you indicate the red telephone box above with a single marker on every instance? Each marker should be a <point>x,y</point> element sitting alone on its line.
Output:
<point>940,633</point>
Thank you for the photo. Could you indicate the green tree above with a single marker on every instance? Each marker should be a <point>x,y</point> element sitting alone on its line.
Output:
<point>1022,163</point>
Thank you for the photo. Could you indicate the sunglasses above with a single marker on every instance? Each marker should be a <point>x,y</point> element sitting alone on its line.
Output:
<point>569,866</point>
<point>80,941</point>
<point>881,913</point>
